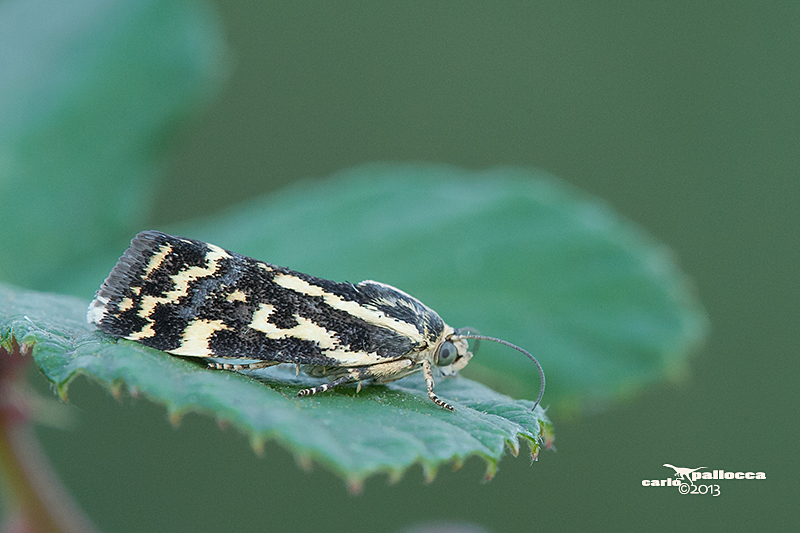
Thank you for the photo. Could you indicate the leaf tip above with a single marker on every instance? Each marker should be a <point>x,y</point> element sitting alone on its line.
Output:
<point>116,390</point>
<point>395,475</point>
<point>547,435</point>
<point>175,419</point>
<point>304,462</point>
<point>355,486</point>
<point>513,446</point>
<point>61,389</point>
<point>257,444</point>
<point>428,472</point>
<point>535,451</point>
<point>491,470</point>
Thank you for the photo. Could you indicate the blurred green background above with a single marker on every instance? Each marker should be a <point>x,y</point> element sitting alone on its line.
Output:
<point>685,117</point>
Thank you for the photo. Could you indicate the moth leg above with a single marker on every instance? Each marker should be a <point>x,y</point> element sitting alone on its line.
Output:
<point>347,378</point>
<point>379,373</point>
<point>428,373</point>
<point>245,366</point>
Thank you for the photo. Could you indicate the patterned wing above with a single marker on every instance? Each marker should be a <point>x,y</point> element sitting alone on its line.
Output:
<point>191,298</point>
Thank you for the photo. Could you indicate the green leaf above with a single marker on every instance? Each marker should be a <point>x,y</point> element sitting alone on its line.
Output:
<point>89,92</point>
<point>380,429</point>
<point>513,252</point>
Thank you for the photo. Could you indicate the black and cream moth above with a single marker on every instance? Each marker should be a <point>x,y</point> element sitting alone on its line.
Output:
<point>194,299</point>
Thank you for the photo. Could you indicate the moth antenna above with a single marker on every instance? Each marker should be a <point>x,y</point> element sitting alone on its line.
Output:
<point>506,343</point>
<point>460,332</point>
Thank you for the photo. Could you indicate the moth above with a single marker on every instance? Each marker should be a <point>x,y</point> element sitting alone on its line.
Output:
<point>194,299</point>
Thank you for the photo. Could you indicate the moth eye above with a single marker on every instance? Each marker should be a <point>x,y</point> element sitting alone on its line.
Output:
<point>447,354</point>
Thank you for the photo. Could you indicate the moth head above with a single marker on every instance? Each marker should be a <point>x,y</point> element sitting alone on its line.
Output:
<point>453,354</point>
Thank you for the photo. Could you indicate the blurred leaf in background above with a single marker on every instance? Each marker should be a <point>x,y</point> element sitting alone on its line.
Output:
<point>90,92</point>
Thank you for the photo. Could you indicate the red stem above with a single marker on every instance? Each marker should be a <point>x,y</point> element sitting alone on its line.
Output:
<point>36,500</point>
